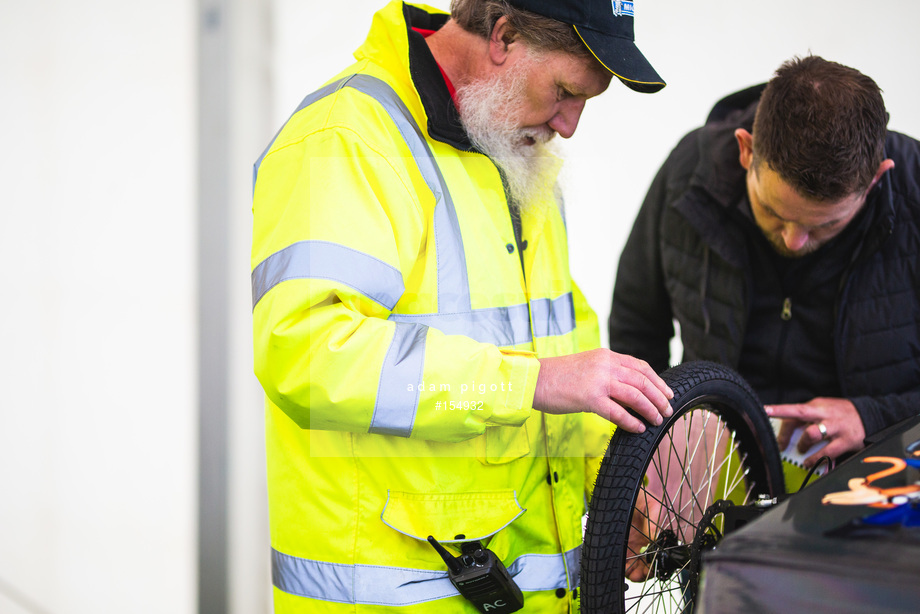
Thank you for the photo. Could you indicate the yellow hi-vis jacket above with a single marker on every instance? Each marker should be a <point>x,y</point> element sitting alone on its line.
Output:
<point>396,337</point>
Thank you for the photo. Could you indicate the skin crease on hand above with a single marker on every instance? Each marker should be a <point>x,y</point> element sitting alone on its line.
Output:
<point>845,431</point>
<point>605,383</point>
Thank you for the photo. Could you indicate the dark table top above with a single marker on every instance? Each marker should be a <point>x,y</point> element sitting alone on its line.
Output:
<point>819,551</point>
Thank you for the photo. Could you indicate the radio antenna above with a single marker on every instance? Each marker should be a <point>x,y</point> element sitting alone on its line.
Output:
<point>452,563</point>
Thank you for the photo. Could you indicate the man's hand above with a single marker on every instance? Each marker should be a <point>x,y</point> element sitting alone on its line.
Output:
<point>604,383</point>
<point>845,431</point>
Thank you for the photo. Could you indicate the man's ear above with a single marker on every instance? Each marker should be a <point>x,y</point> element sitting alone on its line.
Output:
<point>501,40</point>
<point>883,168</point>
<point>745,148</point>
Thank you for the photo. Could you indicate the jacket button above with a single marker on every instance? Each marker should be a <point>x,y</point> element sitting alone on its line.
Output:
<point>524,244</point>
<point>510,248</point>
<point>549,479</point>
<point>555,476</point>
<point>560,592</point>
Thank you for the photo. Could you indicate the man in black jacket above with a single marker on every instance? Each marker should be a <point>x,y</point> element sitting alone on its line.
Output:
<point>798,266</point>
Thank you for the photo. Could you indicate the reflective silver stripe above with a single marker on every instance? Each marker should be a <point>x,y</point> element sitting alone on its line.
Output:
<point>324,260</point>
<point>398,586</point>
<point>553,317</point>
<point>543,572</point>
<point>398,390</point>
<point>502,326</point>
<point>573,564</point>
<point>453,283</point>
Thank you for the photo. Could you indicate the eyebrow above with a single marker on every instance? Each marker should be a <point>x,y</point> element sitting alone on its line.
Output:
<point>773,212</point>
<point>575,89</point>
<point>571,89</point>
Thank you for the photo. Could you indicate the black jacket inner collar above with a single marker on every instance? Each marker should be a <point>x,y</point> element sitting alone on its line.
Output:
<point>443,118</point>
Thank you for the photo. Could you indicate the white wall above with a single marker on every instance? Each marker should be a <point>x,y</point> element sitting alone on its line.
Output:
<point>249,570</point>
<point>97,338</point>
<point>104,272</point>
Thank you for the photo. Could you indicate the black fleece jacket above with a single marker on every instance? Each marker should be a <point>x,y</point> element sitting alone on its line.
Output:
<point>692,257</point>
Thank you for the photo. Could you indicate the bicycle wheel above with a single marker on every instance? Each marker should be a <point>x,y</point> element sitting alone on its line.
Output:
<point>659,494</point>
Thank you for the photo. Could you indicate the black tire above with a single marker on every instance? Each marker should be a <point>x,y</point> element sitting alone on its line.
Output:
<point>703,392</point>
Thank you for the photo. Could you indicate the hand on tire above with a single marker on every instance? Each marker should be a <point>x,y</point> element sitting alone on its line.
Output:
<point>605,383</point>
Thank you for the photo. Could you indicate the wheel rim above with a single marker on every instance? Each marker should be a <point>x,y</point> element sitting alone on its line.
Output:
<point>742,462</point>
<point>699,459</point>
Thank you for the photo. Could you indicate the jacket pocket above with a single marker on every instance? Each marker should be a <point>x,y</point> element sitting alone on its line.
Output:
<point>448,516</point>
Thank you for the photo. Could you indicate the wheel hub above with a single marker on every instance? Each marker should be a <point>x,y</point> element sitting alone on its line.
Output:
<point>667,555</point>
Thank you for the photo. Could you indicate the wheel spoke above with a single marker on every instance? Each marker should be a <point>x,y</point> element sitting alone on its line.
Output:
<point>658,488</point>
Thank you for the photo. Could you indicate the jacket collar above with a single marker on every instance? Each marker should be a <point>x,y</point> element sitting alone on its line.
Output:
<point>881,201</point>
<point>718,179</point>
<point>402,54</point>
<point>443,118</point>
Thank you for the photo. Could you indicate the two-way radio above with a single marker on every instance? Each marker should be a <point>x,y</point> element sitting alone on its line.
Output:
<point>481,577</point>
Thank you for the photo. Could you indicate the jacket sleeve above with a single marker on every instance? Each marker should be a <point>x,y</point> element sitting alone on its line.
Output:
<point>881,411</point>
<point>878,413</point>
<point>338,227</point>
<point>640,322</point>
<point>597,431</point>
<point>588,334</point>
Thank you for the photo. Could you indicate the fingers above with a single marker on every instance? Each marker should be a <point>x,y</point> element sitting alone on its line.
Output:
<point>801,412</point>
<point>793,417</point>
<point>785,432</point>
<point>633,383</point>
<point>834,420</point>
<point>620,388</point>
<point>625,395</point>
<point>652,379</point>
<point>619,415</point>
<point>834,448</point>
<point>812,435</point>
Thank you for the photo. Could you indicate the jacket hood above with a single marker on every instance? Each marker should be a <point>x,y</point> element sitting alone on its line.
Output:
<point>716,175</point>
<point>719,172</point>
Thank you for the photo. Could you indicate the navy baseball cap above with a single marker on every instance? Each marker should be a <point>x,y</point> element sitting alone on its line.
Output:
<point>606,27</point>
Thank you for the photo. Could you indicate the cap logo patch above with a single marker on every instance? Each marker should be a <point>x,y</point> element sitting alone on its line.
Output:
<point>622,8</point>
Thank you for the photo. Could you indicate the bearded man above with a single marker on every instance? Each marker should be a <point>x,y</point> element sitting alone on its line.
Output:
<point>430,368</point>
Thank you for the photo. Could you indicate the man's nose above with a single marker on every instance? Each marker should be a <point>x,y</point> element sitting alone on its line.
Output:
<point>567,115</point>
<point>795,236</point>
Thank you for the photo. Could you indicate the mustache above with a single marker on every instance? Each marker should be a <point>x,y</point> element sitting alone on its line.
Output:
<point>538,135</point>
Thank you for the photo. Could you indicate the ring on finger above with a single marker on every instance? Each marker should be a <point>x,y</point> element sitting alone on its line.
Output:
<point>823,430</point>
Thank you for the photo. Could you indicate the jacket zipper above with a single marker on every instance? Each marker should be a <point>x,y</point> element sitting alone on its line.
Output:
<point>785,315</point>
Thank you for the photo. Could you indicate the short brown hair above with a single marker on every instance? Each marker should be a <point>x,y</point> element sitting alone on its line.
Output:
<point>821,126</point>
<point>541,33</point>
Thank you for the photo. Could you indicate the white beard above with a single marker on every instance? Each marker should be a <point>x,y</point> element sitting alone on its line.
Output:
<point>489,111</point>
